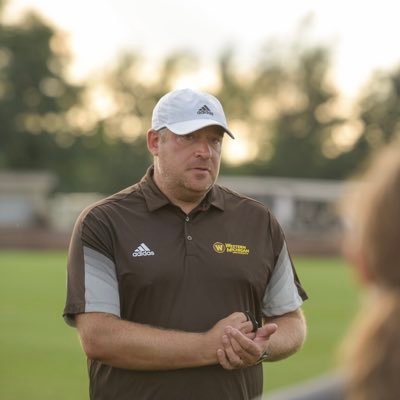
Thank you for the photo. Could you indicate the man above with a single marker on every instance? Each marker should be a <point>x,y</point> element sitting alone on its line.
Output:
<point>170,279</point>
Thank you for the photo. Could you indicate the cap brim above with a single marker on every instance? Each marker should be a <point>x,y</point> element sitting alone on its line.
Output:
<point>186,127</point>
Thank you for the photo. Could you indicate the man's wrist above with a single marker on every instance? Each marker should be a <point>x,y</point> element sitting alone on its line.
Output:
<point>204,350</point>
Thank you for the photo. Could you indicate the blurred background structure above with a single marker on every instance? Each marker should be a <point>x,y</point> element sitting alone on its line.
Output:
<point>87,133</point>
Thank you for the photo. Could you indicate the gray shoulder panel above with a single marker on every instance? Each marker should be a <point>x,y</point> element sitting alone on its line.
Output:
<point>281,295</point>
<point>101,284</point>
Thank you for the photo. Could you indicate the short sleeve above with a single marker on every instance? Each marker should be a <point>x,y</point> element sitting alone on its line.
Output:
<point>284,292</point>
<point>92,284</point>
<point>282,295</point>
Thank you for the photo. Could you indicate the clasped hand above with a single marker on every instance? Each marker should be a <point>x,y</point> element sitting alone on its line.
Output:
<point>240,346</point>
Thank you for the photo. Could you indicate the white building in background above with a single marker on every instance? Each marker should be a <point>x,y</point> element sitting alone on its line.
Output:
<point>304,207</point>
<point>24,198</point>
<point>64,209</point>
<point>30,207</point>
<point>33,215</point>
<point>28,200</point>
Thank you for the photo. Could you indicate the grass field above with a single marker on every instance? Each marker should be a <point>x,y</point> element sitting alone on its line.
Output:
<point>333,301</point>
<point>41,357</point>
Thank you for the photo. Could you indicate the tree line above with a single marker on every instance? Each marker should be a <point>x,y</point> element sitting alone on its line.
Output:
<point>286,106</point>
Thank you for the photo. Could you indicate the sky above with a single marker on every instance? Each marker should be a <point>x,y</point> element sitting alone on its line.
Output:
<point>363,34</point>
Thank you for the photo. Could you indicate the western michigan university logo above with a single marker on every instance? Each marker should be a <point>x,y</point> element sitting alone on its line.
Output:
<point>231,248</point>
<point>219,247</point>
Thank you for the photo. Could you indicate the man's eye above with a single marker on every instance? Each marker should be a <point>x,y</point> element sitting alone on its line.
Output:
<point>184,138</point>
<point>217,141</point>
<point>189,137</point>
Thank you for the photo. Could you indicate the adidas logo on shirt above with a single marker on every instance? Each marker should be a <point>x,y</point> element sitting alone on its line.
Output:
<point>142,251</point>
<point>205,110</point>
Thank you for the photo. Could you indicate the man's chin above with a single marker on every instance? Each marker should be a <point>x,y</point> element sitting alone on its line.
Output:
<point>199,189</point>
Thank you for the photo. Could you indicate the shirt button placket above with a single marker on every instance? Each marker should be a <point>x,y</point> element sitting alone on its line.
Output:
<point>188,236</point>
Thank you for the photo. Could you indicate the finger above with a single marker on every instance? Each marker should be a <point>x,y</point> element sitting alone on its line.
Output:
<point>223,360</point>
<point>243,326</point>
<point>269,329</point>
<point>240,317</point>
<point>246,316</point>
<point>232,357</point>
<point>235,345</point>
<point>243,346</point>
<point>250,335</point>
<point>246,327</point>
<point>265,332</point>
<point>247,358</point>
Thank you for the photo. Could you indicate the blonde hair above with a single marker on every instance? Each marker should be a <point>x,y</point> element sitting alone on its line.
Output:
<point>372,211</point>
<point>371,351</point>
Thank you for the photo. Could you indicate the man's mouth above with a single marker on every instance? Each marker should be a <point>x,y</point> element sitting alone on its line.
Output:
<point>206,169</point>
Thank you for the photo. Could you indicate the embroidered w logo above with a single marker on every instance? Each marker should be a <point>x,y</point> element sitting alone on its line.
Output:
<point>219,247</point>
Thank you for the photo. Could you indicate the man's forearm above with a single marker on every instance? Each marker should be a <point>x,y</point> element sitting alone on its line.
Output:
<point>289,336</point>
<point>128,345</point>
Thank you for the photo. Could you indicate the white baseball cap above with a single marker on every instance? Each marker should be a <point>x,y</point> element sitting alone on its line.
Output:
<point>184,111</point>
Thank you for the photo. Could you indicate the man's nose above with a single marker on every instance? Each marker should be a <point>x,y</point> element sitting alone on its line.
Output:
<point>203,149</point>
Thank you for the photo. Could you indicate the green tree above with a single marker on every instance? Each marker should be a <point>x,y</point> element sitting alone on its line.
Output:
<point>299,131</point>
<point>34,95</point>
<point>380,117</point>
<point>286,104</point>
<point>380,112</point>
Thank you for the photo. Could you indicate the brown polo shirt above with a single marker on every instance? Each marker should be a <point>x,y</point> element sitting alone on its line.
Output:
<point>137,256</point>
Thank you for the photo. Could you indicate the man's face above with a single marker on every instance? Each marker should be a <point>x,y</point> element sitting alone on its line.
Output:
<point>187,166</point>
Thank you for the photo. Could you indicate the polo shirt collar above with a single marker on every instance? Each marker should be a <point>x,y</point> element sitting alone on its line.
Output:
<point>153,196</point>
<point>156,199</point>
<point>215,198</point>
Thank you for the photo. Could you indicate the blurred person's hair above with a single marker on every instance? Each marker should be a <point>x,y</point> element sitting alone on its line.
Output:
<point>371,351</point>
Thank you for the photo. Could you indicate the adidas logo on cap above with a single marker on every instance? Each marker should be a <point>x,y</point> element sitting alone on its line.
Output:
<point>143,251</point>
<point>205,110</point>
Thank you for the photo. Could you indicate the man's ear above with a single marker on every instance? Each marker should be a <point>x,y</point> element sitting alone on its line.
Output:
<point>153,141</point>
